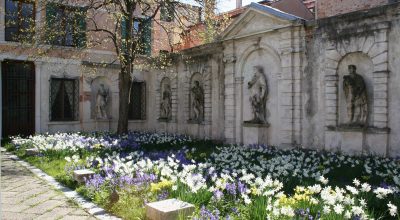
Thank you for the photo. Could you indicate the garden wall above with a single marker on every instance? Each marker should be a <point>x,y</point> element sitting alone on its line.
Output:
<point>304,66</point>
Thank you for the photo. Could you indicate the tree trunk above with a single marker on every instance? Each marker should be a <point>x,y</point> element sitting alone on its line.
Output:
<point>124,88</point>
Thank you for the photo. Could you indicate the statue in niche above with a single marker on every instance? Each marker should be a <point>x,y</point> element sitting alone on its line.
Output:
<point>166,103</point>
<point>197,101</point>
<point>258,96</point>
<point>356,95</point>
<point>101,102</point>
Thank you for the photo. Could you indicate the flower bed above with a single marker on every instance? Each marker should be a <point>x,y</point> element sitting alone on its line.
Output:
<point>226,182</point>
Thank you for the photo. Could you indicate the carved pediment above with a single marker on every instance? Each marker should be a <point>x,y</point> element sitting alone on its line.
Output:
<point>257,19</point>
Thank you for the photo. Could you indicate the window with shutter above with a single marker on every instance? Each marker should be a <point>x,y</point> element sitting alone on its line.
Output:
<point>141,31</point>
<point>19,20</point>
<point>69,23</point>
<point>137,102</point>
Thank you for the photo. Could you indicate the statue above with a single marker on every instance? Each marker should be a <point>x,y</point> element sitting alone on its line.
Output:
<point>101,102</point>
<point>166,103</point>
<point>197,101</point>
<point>258,95</point>
<point>355,91</point>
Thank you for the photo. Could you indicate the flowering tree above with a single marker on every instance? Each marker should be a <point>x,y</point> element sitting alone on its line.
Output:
<point>121,26</point>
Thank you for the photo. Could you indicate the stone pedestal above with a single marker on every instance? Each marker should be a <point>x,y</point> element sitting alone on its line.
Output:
<point>32,152</point>
<point>368,140</point>
<point>81,175</point>
<point>170,209</point>
<point>255,133</point>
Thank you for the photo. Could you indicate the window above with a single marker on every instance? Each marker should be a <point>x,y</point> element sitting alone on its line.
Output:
<point>137,104</point>
<point>19,20</point>
<point>141,33</point>
<point>66,25</point>
<point>167,13</point>
<point>64,99</point>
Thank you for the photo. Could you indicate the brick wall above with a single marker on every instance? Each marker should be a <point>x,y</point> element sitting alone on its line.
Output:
<point>328,8</point>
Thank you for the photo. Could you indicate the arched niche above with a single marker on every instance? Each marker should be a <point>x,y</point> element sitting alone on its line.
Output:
<point>365,68</point>
<point>270,64</point>
<point>196,98</point>
<point>99,85</point>
<point>268,60</point>
<point>165,99</point>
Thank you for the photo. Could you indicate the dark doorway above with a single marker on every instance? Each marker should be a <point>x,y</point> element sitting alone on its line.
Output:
<point>18,98</point>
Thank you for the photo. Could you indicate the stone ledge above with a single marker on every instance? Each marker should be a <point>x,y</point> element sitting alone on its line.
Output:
<point>368,130</point>
<point>257,125</point>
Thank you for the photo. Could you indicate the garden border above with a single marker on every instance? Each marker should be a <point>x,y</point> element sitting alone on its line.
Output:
<point>88,206</point>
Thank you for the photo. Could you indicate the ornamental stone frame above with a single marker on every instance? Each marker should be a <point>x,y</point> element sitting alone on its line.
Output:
<point>373,47</point>
<point>198,69</point>
<point>280,53</point>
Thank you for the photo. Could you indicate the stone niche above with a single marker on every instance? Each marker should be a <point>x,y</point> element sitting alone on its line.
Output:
<point>165,100</point>
<point>260,123</point>
<point>101,102</point>
<point>347,136</point>
<point>196,99</point>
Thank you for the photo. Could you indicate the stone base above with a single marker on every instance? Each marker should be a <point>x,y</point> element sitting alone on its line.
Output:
<point>81,175</point>
<point>357,141</point>
<point>170,209</point>
<point>255,133</point>
<point>31,152</point>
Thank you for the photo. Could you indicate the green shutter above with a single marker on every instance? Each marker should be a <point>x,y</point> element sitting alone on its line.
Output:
<point>124,35</point>
<point>81,23</point>
<point>146,36</point>
<point>51,13</point>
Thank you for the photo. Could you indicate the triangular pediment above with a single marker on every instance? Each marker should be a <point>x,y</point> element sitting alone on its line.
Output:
<point>258,18</point>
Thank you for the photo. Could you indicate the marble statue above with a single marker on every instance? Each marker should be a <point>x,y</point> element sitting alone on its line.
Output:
<point>101,102</point>
<point>197,101</point>
<point>356,95</point>
<point>166,103</point>
<point>258,95</point>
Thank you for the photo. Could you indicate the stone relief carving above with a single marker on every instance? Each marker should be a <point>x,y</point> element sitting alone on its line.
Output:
<point>258,96</point>
<point>197,101</point>
<point>101,102</point>
<point>166,100</point>
<point>355,91</point>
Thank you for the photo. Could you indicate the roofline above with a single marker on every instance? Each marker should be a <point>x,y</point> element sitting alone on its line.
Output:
<point>275,11</point>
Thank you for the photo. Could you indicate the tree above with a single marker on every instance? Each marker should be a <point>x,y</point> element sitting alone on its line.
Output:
<point>123,25</point>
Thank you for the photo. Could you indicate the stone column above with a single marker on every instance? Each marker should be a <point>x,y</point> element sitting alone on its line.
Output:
<point>286,87</point>
<point>38,96</point>
<point>230,61</point>
<point>1,98</point>
<point>239,109</point>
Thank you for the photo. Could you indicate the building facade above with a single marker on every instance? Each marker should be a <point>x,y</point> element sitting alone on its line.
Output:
<point>273,78</point>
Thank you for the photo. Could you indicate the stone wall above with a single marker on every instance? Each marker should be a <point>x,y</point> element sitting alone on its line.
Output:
<point>367,40</point>
<point>328,8</point>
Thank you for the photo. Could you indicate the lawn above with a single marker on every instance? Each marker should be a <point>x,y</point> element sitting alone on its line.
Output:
<point>222,181</point>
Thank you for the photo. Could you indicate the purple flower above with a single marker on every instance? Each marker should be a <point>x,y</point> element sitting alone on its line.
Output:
<point>241,187</point>
<point>218,194</point>
<point>231,188</point>
<point>96,181</point>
